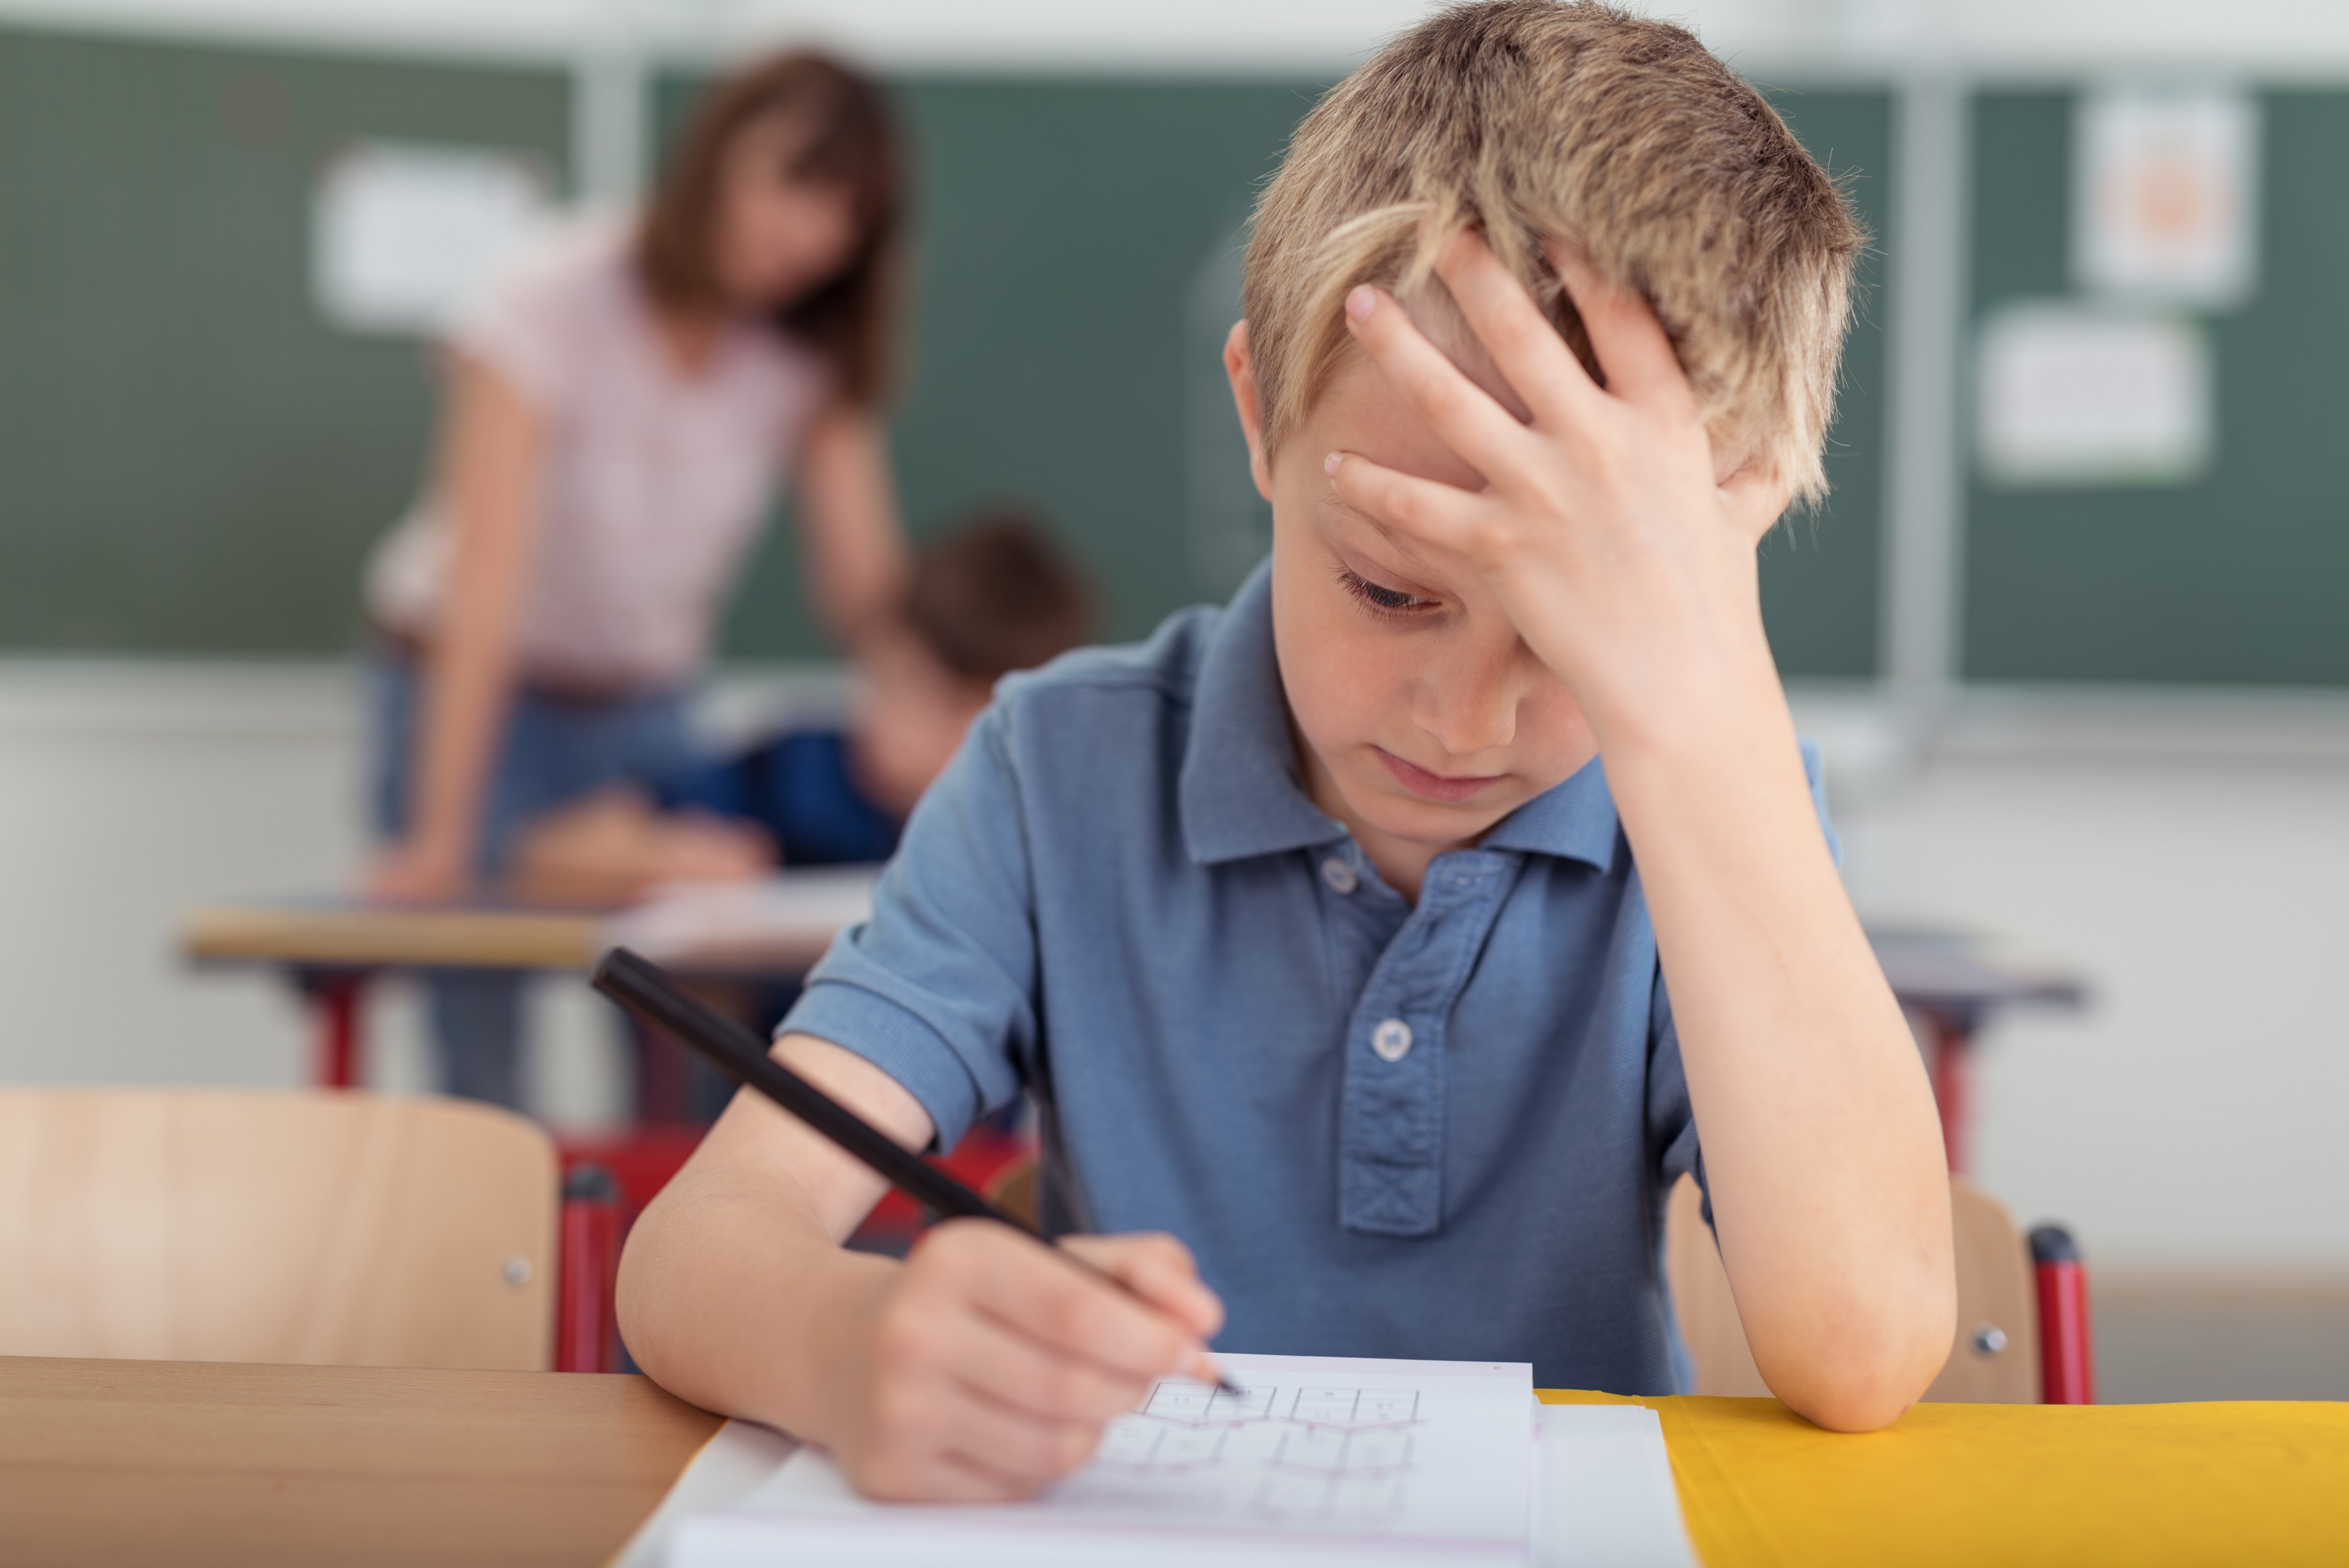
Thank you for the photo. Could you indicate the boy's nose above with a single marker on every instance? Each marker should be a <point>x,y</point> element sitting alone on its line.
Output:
<point>1467,701</point>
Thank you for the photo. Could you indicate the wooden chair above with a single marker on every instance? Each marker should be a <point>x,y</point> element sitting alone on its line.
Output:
<point>308,1227</point>
<point>2023,1335</point>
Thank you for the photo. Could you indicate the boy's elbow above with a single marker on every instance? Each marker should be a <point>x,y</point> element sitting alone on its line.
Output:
<point>1867,1360</point>
<point>642,1309</point>
<point>1854,1403</point>
<point>631,1303</point>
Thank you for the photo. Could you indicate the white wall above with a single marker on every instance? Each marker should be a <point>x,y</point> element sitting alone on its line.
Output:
<point>127,792</point>
<point>2190,858</point>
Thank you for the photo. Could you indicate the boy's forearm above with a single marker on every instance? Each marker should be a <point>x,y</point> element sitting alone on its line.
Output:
<point>732,1296</point>
<point>1822,1151</point>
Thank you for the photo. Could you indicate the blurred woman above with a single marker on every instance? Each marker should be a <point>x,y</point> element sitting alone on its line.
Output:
<point>623,403</point>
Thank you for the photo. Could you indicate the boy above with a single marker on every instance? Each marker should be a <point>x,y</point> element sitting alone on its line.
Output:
<point>989,595</point>
<point>1317,926</point>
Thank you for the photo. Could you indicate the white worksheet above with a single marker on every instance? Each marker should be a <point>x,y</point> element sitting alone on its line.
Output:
<point>1318,1460</point>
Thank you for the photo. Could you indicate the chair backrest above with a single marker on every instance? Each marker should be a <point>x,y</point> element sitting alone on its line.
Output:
<point>1995,1357</point>
<point>319,1227</point>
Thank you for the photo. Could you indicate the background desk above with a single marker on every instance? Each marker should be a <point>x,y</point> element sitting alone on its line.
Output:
<point>724,936</point>
<point>329,948</point>
<point>137,1461</point>
<point>1949,983</point>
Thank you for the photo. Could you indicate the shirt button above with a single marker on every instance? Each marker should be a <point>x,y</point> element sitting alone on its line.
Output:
<point>1392,1040</point>
<point>1340,875</point>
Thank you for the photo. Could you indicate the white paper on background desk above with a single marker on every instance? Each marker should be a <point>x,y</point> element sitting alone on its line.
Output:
<point>1322,1460</point>
<point>711,923</point>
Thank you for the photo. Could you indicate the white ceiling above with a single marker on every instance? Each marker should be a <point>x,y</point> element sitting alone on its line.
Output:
<point>2289,37</point>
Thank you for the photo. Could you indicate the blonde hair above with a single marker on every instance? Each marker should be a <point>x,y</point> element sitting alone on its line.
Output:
<point>1568,122</point>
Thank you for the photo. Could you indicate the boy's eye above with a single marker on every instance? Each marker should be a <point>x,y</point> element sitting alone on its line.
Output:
<point>1389,600</point>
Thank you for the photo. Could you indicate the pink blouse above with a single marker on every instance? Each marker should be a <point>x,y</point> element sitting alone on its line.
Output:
<point>657,479</point>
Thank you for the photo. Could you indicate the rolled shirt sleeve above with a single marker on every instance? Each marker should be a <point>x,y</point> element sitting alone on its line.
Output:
<point>938,988</point>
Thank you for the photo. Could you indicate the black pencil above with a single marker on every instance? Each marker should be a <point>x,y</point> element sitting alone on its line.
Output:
<point>648,991</point>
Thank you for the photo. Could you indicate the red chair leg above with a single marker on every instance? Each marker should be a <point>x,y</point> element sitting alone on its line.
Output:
<point>1952,1041</point>
<point>587,1333</point>
<point>2066,1352</point>
<point>337,1001</point>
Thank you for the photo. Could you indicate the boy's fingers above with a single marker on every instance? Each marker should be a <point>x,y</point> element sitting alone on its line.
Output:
<point>964,1481</point>
<point>933,1478</point>
<point>1013,1369</point>
<point>1631,344</point>
<point>1461,413</point>
<point>1521,341</point>
<point>1052,1299</point>
<point>1424,510</point>
<point>1160,1270</point>
<point>1024,1449</point>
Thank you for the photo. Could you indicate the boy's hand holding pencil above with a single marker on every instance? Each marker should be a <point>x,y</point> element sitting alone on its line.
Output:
<point>990,1362</point>
<point>988,1366</point>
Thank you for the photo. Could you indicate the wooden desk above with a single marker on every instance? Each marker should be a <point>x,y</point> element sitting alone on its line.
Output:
<point>197,1463</point>
<point>337,935</point>
<point>1947,981</point>
<point>329,948</point>
<point>188,1463</point>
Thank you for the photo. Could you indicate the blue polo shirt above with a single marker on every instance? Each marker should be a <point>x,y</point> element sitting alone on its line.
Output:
<point>1443,1130</point>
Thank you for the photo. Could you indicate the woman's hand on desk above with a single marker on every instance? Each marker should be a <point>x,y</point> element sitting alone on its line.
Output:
<point>985,1367</point>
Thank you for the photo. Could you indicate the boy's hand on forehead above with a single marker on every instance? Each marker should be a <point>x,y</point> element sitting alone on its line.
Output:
<point>1626,565</point>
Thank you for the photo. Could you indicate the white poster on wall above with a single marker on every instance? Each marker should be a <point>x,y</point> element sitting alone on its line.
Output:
<point>2165,204</point>
<point>401,234</point>
<point>2072,395</point>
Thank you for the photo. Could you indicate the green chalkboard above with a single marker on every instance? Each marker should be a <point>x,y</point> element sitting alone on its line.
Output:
<point>1820,572</point>
<point>190,459</point>
<point>2241,575</point>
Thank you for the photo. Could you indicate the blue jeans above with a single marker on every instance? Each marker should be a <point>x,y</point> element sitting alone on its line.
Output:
<point>555,750</point>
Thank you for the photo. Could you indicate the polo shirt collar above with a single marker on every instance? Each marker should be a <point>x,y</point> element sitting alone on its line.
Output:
<point>1574,820</point>
<point>1240,793</point>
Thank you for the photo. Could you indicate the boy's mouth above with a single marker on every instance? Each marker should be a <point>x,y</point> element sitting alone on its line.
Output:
<point>1435,787</point>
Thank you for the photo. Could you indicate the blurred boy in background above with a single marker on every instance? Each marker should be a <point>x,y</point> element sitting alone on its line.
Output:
<point>990,595</point>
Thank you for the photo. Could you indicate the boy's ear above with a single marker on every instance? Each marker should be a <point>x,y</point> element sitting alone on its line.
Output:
<point>1240,366</point>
